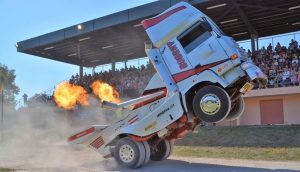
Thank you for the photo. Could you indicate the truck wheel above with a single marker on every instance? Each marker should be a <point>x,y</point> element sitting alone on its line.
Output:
<point>147,152</point>
<point>171,149</point>
<point>131,154</point>
<point>211,104</point>
<point>164,150</point>
<point>237,111</point>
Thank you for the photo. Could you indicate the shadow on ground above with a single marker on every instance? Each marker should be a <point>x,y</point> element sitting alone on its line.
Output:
<point>176,165</point>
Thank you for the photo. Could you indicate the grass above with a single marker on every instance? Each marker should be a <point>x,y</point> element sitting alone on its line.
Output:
<point>243,142</point>
<point>251,153</point>
<point>5,170</point>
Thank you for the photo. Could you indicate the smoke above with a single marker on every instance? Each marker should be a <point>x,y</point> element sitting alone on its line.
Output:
<point>35,139</point>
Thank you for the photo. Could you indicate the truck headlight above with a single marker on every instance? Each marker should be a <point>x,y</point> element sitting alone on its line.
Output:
<point>246,65</point>
<point>234,56</point>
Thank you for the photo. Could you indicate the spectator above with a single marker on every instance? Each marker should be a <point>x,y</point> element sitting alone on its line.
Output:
<point>287,73</point>
<point>299,75</point>
<point>294,78</point>
<point>267,70</point>
<point>271,83</point>
<point>25,99</point>
<point>269,49</point>
<point>276,56</point>
<point>283,79</point>
<point>249,53</point>
<point>263,52</point>
<point>275,62</point>
<point>283,49</point>
<point>278,47</point>
<point>295,60</point>
<point>278,78</point>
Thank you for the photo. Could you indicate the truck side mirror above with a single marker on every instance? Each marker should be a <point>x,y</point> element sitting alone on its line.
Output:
<point>206,26</point>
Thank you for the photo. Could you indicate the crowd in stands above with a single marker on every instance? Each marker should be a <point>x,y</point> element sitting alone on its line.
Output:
<point>129,81</point>
<point>38,101</point>
<point>280,64</point>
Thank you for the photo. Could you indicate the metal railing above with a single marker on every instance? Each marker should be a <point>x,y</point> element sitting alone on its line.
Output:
<point>278,82</point>
<point>283,39</point>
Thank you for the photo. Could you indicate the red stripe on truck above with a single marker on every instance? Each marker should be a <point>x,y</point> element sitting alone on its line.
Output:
<point>183,75</point>
<point>132,118</point>
<point>151,22</point>
<point>150,100</point>
<point>83,133</point>
<point>98,142</point>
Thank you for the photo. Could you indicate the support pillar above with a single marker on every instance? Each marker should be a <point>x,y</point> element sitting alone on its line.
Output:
<point>257,43</point>
<point>80,71</point>
<point>81,63</point>
<point>125,62</point>
<point>113,65</point>
<point>93,71</point>
<point>252,43</point>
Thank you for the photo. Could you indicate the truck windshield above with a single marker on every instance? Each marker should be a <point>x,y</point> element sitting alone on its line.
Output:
<point>215,26</point>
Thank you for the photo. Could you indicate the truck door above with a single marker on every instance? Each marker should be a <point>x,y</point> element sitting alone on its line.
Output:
<point>201,47</point>
<point>175,58</point>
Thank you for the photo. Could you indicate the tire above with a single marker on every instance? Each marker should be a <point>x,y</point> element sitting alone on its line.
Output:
<point>171,150</point>
<point>211,104</point>
<point>147,152</point>
<point>237,110</point>
<point>165,149</point>
<point>131,154</point>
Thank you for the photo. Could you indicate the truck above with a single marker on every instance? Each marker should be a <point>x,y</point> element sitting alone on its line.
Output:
<point>201,76</point>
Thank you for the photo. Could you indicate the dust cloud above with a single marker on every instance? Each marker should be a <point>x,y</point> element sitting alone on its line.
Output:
<point>35,139</point>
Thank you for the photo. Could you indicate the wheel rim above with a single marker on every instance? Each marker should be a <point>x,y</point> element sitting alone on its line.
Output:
<point>210,104</point>
<point>126,153</point>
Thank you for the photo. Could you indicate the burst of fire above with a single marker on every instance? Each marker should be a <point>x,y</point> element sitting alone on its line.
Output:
<point>105,92</point>
<point>67,95</point>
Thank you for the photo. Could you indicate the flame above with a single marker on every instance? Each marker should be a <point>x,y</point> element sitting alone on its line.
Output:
<point>105,91</point>
<point>67,95</point>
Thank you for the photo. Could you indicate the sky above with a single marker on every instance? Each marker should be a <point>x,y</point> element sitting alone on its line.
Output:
<point>25,19</point>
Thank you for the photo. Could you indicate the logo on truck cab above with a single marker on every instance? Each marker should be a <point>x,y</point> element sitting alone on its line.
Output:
<point>223,67</point>
<point>177,55</point>
<point>152,125</point>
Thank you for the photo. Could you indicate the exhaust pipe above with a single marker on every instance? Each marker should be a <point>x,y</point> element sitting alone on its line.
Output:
<point>124,105</point>
<point>148,46</point>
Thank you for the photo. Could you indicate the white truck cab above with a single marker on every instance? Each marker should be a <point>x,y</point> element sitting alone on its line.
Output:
<point>201,75</point>
<point>191,52</point>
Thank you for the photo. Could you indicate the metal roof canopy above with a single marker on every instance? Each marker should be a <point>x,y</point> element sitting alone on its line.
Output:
<point>120,36</point>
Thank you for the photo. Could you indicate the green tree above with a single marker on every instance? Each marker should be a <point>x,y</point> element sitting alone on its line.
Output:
<point>10,89</point>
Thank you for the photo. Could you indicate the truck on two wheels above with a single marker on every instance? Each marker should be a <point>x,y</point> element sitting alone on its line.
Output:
<point>201,75</point>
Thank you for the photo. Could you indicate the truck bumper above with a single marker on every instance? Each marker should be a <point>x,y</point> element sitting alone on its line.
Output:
<point>255,73</point>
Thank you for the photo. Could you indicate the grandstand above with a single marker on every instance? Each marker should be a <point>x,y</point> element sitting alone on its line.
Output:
<point>122,40</point>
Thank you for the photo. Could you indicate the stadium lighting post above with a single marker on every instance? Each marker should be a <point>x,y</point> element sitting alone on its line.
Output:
<point>2,114</point>
<point>2,99</point>
<point>1,89</point>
